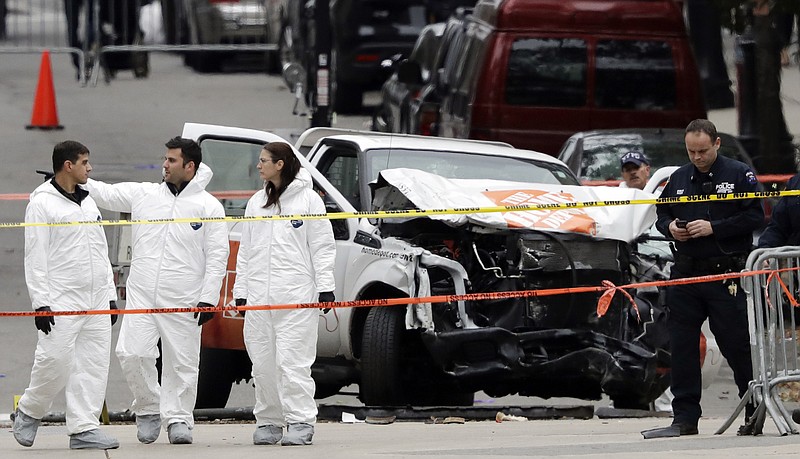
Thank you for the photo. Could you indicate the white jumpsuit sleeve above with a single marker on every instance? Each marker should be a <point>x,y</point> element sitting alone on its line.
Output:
<point>322,246</point>
<point>216,250</point>
<point>242,258</point>
<point>37,241</point>
<point>118,197</point>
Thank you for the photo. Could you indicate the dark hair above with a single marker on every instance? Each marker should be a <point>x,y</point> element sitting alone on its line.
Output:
<point>703,126</point>
<point>68,150</point>
<point>190,150</point>
<point>291,166</point>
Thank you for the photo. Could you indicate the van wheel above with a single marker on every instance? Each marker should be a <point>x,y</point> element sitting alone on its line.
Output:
<point>218,371</point>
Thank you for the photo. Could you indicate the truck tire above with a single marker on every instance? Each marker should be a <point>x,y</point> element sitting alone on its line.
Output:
<point>218,372</point>
<point>381,357</point>
<point>392,363</point>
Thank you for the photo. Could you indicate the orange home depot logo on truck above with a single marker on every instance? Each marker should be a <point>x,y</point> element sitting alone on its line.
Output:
<point>574,220</point>
<point>225,332</point>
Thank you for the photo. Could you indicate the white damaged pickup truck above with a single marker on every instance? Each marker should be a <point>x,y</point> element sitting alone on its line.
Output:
<point>441,353</point>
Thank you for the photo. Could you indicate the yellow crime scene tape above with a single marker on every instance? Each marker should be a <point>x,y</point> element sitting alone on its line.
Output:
<point>603,302</point>
<point>424,212</point>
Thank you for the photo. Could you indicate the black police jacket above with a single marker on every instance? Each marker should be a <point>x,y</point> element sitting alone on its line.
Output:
<point>733,221</point>
<point>784,228</point>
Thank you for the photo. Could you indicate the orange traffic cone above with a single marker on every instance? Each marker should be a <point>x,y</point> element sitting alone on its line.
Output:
<point>45,114</point>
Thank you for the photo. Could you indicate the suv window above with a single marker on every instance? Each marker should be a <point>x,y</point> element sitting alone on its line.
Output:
<point>547,72</point>
<point>635,74</point>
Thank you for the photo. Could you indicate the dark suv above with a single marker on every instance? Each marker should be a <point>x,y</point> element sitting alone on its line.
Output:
<point>365,34</point>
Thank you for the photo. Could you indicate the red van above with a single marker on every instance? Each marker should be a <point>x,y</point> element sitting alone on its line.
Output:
<point>532,73</point>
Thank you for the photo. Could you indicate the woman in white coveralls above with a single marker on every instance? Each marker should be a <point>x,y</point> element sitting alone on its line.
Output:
<point>284,262</point>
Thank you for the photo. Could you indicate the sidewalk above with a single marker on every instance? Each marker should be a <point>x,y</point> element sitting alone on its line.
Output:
<point>555,438</point>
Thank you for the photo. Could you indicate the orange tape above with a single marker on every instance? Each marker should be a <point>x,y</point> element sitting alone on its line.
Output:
<point>14,197</point>
<point>608,289</point>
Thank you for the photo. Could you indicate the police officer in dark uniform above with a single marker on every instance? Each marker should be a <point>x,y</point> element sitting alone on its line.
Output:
<point>710,238</point>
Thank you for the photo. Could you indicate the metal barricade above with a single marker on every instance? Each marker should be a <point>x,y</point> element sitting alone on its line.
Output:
<point>34,26</point>
<point>773,336</point>
<point>117,34</point>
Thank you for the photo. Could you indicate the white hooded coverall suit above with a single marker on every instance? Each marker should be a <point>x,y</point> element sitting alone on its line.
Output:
<point>173,265</point>
<point>67,268</point>
<point>283,262</point>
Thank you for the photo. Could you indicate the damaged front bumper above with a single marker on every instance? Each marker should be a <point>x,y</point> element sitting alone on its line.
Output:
<point>546,363</point>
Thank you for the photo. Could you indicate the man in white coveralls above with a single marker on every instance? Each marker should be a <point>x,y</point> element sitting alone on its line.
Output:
<point>173,265</point>
<point>67,269</point>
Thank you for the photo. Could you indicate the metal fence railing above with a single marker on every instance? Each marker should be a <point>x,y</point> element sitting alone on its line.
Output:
<point>772,299</point>
<point>114,35</point>
<point>33,26</point>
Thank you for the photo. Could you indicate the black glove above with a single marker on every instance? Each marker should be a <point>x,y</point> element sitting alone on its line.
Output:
<point>241,302</point>
<point>43,323</point>
<point>326,297</point>
<point>113,305</point>
<point>204,316</point>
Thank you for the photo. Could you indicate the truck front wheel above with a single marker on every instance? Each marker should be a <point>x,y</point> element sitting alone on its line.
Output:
<point>396,369</point>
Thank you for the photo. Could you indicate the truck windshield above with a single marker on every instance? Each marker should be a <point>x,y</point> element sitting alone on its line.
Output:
<point>462,165</point>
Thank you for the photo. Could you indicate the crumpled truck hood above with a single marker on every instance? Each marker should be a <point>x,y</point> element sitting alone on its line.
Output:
<point>411,188</point>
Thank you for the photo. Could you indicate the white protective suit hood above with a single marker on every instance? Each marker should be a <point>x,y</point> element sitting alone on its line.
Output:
<point>66,267</point>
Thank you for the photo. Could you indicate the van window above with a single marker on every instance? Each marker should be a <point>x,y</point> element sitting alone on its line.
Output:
<point>635,74</point>
<point>547,72</point>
